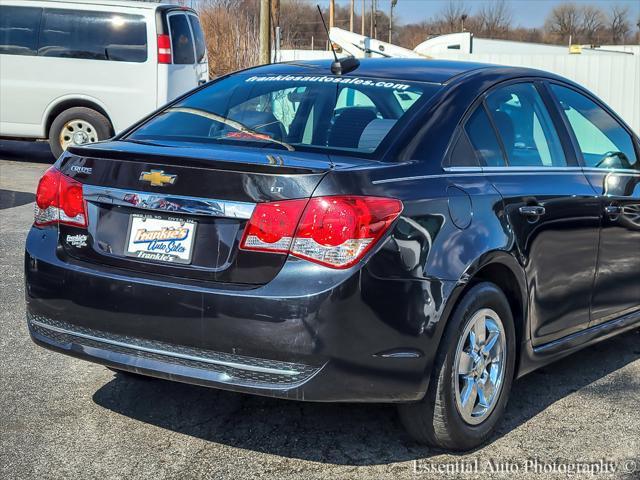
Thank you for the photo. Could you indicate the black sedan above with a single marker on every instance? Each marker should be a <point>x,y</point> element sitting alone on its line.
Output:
<point>409,231</point>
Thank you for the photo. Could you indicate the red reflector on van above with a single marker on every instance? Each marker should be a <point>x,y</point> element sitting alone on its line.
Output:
<point>164,49</point>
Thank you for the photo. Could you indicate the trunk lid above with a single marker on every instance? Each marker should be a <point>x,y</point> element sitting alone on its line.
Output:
<point>135,193</point>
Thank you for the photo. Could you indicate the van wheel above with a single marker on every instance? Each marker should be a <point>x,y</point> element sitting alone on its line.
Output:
<point>77,126</point>
<point>471,377</point>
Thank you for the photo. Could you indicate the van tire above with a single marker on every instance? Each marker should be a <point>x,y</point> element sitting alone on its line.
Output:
<point>95,127</point>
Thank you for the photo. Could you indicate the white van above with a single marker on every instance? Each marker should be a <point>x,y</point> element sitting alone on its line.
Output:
<point>79,72</point>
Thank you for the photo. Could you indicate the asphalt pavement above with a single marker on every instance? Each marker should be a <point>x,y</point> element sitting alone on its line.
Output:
<point>65,418</point>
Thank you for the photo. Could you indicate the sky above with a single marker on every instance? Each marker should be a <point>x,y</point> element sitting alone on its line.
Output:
<point>526,13</point>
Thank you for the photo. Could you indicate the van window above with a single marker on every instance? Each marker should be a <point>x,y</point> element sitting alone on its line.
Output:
<point>19,30</point>
<point>93,35</point>
<point>181,41</point>
<point>198,36</point>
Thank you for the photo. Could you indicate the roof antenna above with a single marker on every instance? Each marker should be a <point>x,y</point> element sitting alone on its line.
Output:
<point>338,67</point>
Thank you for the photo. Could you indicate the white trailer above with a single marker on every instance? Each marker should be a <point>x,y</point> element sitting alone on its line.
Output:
<point>611,72</point>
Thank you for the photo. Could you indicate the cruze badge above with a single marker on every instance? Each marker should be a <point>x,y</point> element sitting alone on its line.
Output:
<point>157,178</point>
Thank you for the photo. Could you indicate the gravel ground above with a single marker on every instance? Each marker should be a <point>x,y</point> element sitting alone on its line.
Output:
<point>65,418</point>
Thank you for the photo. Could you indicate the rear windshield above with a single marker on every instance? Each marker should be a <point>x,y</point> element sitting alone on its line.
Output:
<point>298,112</point>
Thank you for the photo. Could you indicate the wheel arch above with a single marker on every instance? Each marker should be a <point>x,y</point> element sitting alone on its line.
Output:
<point>502,269</point>
<point>59,105</point>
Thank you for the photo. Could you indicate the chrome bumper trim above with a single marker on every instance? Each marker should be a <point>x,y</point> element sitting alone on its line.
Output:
<point>168,203</point>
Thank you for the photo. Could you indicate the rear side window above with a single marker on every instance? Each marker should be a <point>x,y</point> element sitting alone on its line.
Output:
<point>527,131</point>
<point>198,37</point>
<point>181,40</point>
<point>462,154</point>
<point>19,30</point>
<point>483,138</point>
<point>93,35</point>
<point>602,140</point>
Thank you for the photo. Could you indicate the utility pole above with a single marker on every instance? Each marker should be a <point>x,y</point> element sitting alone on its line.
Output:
<point>276,30</point>
<point>332,13</point>
<point>373,9</point>
<point>276,12</point>
<point>351,13</point>
<point>265,31</point>
<point>362,19</point>
<point>393,4</point>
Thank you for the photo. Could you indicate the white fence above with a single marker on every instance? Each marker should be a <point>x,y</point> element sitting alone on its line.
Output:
<point>614,78</point>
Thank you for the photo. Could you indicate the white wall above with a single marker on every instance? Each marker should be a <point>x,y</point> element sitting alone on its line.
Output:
<point>614,78</point>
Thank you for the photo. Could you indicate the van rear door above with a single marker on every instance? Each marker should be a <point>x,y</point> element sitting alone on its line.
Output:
<point>202,63</point>
<point>188,67</point>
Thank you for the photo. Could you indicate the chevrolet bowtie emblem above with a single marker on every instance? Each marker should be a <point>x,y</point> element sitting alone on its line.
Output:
<point>158,178</point>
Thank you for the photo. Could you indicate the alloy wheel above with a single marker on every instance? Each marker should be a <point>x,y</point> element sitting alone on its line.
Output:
<point>479,366</point>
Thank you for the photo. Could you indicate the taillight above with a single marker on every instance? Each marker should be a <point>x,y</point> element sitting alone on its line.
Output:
<point>333,231</point>
<point>59,199</point>
<point>272,226</point>
<point>164,49</point>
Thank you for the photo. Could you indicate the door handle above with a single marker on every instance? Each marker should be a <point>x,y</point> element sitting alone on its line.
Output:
<point>613,211</point>
<point>532,211</point>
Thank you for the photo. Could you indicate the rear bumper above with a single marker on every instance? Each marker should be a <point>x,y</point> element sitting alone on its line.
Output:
<point>310,334</point>
<point>173,362</point>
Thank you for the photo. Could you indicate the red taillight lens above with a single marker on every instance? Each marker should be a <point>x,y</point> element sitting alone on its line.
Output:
<point>272,226</point>
<point>59,199</point>
<point>332,231</point>
<point>48,188</point>
<point>164,49</point>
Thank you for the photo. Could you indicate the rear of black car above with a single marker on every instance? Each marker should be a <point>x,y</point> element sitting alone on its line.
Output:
<point>196,247</point>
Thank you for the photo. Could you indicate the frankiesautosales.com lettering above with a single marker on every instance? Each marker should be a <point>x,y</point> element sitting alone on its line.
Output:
<point>367,82</point>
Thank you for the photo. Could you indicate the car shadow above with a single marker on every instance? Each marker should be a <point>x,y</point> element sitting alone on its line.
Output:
<point>343,434</point>
<point>36,152</point>
<point>10,198</point>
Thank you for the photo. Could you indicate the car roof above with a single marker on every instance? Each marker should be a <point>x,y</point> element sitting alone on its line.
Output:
<point>408,69</point>
<point>109,3</point>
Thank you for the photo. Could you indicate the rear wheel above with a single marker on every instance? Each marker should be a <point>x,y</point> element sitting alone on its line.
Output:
<point>472,374</point>
<point>77,126</point>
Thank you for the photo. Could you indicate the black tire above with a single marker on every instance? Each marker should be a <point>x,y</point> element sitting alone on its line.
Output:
<point>435,420</point>
<point>101,127</point>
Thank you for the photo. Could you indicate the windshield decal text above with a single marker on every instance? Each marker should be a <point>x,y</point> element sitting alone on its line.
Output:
<point>367,82</point>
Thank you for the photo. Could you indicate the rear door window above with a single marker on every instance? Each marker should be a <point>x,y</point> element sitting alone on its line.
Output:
<point>19,30</point>
<point>93,35</point>
<point>483,138</point>
<point>181,40</point>
<point>198,37</point>
<point>528,134</point>
<point>602,140</point>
